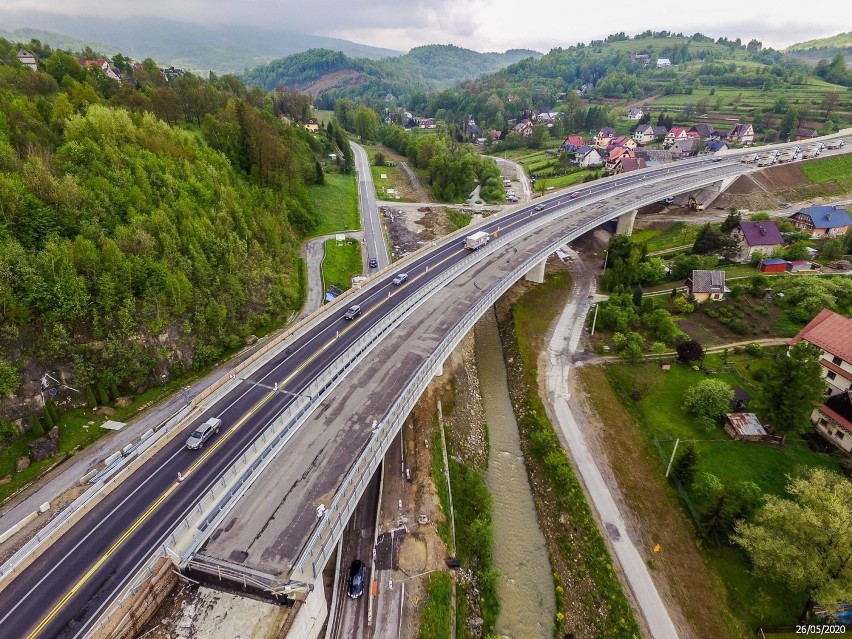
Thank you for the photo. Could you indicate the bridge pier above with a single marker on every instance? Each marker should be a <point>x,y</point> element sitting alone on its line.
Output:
<point>311,615</point>
<point>536,273</point>
<point>625,223</point>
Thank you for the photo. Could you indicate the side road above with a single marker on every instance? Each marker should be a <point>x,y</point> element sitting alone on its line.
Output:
<point>557,362</point>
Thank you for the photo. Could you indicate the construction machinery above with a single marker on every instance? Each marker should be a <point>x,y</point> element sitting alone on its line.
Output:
<point>693,204</point>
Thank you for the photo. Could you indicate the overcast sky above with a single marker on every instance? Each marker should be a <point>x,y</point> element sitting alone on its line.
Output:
<point>487,25</point>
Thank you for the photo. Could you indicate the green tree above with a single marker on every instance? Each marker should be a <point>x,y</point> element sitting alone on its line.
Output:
<point>793,386</point>
<point>10,379</point>
<point>683,469</point>
<point>366,123</point>
<point>36,427</point>
<point>103,396</point>
<point>805,541</point>
<point>91,402</point>
<point>709,399</point>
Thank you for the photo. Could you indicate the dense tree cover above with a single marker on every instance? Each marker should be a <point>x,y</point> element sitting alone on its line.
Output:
<point>421,69</point>
<point>724,506</point>
<point>709,400</point>
<point>620,315</point>
<point>805,540</point>
<point>143,228</point>
<point>453,167</point>
<point>628,264</point>
<point>835,71</point>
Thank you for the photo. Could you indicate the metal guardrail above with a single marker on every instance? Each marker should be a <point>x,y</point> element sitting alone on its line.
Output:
<point>357,478</point>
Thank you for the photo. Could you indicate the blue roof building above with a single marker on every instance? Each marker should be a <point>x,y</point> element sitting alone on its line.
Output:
<point>823,221</point>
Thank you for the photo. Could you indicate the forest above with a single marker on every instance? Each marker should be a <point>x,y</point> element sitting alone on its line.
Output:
<point>147,226</point>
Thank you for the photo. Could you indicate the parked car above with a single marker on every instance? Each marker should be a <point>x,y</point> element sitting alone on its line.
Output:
<point>399,279</point>
<point>374,263</point>
<point>352,312</point>
<point>203,433</point>
<point>357,575</point>
<point>669,200</point>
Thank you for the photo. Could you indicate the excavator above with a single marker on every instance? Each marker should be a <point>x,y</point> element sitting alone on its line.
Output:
<point>693,204</point>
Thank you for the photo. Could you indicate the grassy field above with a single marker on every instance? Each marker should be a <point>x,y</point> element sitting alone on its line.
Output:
<point>458,219</point>
<point>341,263</point>
<point>436,613</point>
<point>395,178</point>
<point>336,201</point>
<point>678,234</point>
<point>837,169</point>
<point>660,415</point>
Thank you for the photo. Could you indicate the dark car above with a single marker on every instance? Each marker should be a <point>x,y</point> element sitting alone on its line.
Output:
<point>374,263</point>
<point>539,207</point>
<point>352,312</point>
<point>357,575</point>
<point>574,195</point>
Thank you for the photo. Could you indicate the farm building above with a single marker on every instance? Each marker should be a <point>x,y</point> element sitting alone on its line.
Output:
<point>744,426</point>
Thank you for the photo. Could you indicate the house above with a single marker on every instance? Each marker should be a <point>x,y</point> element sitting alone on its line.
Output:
<point>772,265</point>
<point>660,132</point>
<point>757,236</point>
<point>312,125</point>
<point>663,62</point>
<point>823,221</point>
<point>623,142</point>
<point>524,127</point>
<point>427,123</point>
<point>683,147</point>
<point>572,143</point>
<point>639,58</point>
<point>108,71</point>
<point>704,131</point>
<point>831,333</point>
<point>390,97</point>
<point>794,266</point>
<point>676,133</point>
<point>804,134</point>
<point>706,285</point>
<point>632,164</point>
<point>716,146</point>
<point>472,128</point>
<point>496,135</point>
<point>614,157</point>
<point>744,427</point>
<point>644,134</point>
<point>833,420</point>
<point>604,137</point>
<point>588,157</point>
<point>27,59</point>
<point>635,113</point>
<point>742,134</point>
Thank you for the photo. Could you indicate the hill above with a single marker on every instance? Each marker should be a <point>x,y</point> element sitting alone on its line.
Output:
<point>148,226</point>
<point>593,85</point>
<point>839,41</point>
<point>813,52</point>
<point>333,74</point>
<point>230,49</point>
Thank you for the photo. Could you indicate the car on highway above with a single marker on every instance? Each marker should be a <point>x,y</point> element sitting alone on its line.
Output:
<point>352,312</point>
<point>203,433</point>
<point>574,195</point>
<point>374,263</point>
<point>357,575</point>
<point>539,207</point>
<point>717,159</point>
<point>399,279</point>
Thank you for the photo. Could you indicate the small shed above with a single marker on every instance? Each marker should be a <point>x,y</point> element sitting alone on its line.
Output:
<point>740,400</point>
<point>744,426</point>
<point>798,265</point>
<point>772,265</point>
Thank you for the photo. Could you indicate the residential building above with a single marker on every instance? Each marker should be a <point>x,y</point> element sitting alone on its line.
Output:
<point>703,131</point>
<point>624,142</point>
<point>588,157</point>
<point>804,134</point>
<point>108,71</point>
<point>640,58</point>
<point>27,59</point>
<point>660,132</point>
<point>572,143</point>
<point>716,146</point>
<point>823,221</point>
<point>428,123</point>
<point>833,420</point>
<point>757,236</point>
<point>524,127</point>
<point>632,164</point>
<point>635,113</point>
<point>832,334</point>
<point>675,133</point>
<point>706,285</point>
<point>604,137</point>
<point>742,134</point>
<point>681,148</point>
<point>312,125</point>
<point>663,62</point>
<point>644,133</point>
<point>772,265</point>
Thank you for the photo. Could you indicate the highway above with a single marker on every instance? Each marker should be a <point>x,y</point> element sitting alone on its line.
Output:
<point>65,589</point>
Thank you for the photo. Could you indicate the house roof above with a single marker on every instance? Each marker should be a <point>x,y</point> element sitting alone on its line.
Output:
<point>764,233</point>
<point>644,128</point>
<point>586,149</point>
<point>716,145</point>
<point>707,281</point>
<point>826,217</point>
<point>703,129</point>
<point>685,146</point>
<point>830,332</point>
<point>677,131</point>
<point>772,260</point>
<point>576,140</point>
<point>739,130</point>
<point>839,408</point>
<point>660,130</point>
<point>805,133</point>
<point>606,132</point>
<point>632,164</point>
<point>745,424</point>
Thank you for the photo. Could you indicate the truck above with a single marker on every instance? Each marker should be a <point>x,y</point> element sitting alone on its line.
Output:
<point>477,240</point>
<point>835,144</point>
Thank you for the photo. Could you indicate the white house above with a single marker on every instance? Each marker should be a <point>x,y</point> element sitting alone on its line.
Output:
<point>643,134</point>
<point>588,156</point>
<point>831,333</point>
<point>635,113</point>
<point>663,62</point>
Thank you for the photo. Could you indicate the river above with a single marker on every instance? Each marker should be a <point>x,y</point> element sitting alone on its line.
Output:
<point>525,587</point>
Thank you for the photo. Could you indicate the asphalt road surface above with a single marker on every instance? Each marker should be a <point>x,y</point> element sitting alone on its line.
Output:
<point>65,589</point>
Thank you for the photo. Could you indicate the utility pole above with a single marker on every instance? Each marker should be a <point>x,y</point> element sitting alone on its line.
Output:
<point>594,320</point>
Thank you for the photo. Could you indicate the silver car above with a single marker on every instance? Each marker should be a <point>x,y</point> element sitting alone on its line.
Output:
<point>203,433</point>
<point>399,279</point>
